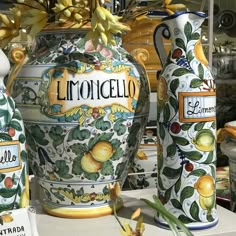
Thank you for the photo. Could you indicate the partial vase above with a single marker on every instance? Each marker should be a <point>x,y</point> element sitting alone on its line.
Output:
<point>186,124</point>
<point>14,185</point>
<point>85,109</point>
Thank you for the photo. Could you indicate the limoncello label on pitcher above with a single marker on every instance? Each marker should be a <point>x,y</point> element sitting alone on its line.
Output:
<point>197,106</point>
<point>93,89</point>
<point>9,156</point>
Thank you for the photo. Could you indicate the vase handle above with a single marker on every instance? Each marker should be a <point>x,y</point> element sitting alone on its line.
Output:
<point>18,57</point>
<point>161,32</point>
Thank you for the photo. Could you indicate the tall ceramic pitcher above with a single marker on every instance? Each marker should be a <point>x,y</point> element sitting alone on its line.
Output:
<point>186,123</point>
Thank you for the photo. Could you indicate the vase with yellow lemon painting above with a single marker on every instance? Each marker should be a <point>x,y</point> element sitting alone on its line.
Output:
<point>186,133</point>
<point>14,185</point>
<point>85,107</point>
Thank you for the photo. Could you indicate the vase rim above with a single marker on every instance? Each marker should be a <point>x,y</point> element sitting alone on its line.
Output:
<point>175,15</point>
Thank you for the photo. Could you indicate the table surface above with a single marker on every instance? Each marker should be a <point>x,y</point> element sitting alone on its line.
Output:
<point>107,225</point>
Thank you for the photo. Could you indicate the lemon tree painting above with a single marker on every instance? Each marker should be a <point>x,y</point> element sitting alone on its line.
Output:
<point>186,125</point>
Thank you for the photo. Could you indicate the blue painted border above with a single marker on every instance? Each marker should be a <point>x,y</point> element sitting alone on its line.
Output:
<point>193,226</point>
<point>198,13</point>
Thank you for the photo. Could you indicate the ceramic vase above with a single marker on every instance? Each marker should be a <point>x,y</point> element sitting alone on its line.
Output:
<point>14,185</point>
<point>186,123</point>
<point>85,109</point>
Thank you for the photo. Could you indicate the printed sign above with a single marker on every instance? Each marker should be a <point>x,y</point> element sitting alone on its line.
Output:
<point>9,156</point>
<point>194,107</point>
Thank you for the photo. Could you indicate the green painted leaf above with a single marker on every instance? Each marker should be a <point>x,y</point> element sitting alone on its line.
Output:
<point>188,31</point>
<point>76,166</point>
<point>190,56</point>
<point>180,43</point>
<point>119,127</point>
<point>22,138</point>
<point>38,135</point>
<point>194,211</point>
<point>79,149</point>
<point>176,204</point>
<point>11,103</point>
<point>180,72</point>
<point>160,161</point>
<point>195,36</point>
<point>196,83</point>
<point>5,137</point>
<point>185,219</point>
<point>177,185</point>
<point>210,158</point>
<point>187,192</point>
<point>213,171</point>
<point>161,131</point>
<point>174,103</point>
<point>3,101</point>
<point>17,115</point>
<point>24,156</point>
<point>186,126</point>
<point>115,143</point>
<point>166,113</point>
<point>198,172</point>
<point>213,125</point>
<point>7,193</point>
<point>180,140</point>
<point>167,195</point>
<point>6,207</point>
<point>200,71</point>
<point>171,173</point>
<point>107,168</point>
<point>91,176</point>
<point>6,114</point>
<point>2,177</point>
<point>193,155</point>
<point>119,153</point>
<point>210,218</point>
<point>160,184</point>
<point>101,124</point>
<point>15,125</point>
<point>171,150</point>
<point>199,126</point>
<point>174,84</point>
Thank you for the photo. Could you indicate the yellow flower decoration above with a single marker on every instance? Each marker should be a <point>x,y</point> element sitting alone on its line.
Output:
<point>139,228</point>
<point>67,10</point>
<point>114,190</point>
<point>172,8</point>
<point>10,27</point>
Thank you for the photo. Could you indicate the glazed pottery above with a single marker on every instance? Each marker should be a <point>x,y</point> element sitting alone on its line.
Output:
<point>186,136</point>
<point>85,109</point>
<point>14,186</point>
<point>139,42</point>
<point>228,147</point>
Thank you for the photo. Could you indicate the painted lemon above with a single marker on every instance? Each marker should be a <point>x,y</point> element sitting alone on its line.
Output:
<point>204,140</point>
<point>207,203</point>
<point>205,186</point>
<point>7,218</point>
<point>102,151</point>
<point>199,53</point>
<point>90,165</point>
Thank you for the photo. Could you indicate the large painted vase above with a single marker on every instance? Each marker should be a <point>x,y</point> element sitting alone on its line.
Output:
<point>85,110</point>
<point>186,123</point>
<point>14,185</point>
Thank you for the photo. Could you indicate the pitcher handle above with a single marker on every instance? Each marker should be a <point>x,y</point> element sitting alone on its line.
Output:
<point>161,32</point>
